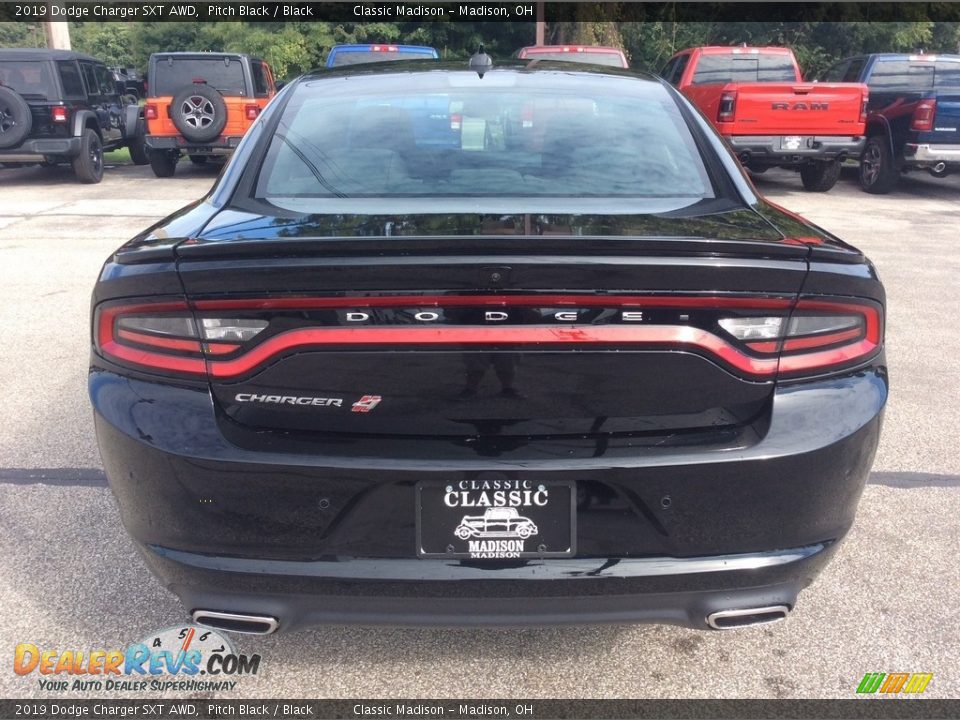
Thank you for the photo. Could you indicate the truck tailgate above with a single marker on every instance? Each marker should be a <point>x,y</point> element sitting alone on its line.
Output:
<point>796,109</point>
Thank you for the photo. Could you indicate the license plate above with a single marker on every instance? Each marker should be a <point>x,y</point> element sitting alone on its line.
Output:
<point>496,519</point>
<point>791,142</point>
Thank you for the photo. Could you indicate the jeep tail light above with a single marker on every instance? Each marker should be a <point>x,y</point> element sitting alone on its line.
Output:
<point>150,111</point>
<point>58,114</point>
<point>251,111</point>
<point>456,121</point>
<point>923,115</point>
<point>728,106</point>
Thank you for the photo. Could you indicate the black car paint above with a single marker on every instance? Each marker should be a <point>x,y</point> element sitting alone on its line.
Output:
<point>310,526</point>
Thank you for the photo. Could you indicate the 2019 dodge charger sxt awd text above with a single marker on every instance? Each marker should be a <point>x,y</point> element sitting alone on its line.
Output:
<point>575,306</point>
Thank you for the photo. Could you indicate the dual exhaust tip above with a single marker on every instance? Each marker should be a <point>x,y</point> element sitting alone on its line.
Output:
<point>244,623</point>
<point>746,617</point>
<point>250,624</point>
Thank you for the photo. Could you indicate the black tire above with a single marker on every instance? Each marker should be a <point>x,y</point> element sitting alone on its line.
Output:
<point>199,113</point>
<point>138,151</point>
<point>878,172</point>
<point>88,164</point>
<point>820,176</point>
<point>199,159</point>
<point>164,162</point>
<point>15,118</point>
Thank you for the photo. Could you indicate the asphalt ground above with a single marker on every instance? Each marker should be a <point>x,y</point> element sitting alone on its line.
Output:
<point>70,578</point>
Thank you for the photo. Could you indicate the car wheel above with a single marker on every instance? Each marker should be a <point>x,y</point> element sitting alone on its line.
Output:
<point>199,112</point>
<point>164,162</point>
<point>878,175</point>
<point>138,151</point>
<point>88,164</point>
<point>15,118</point>
<point>462,533</point>
<point>198,159</point>
<point>524,532</point>
<point>820,176</point>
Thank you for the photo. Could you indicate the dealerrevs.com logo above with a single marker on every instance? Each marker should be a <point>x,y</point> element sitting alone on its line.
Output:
<point>183,658</point>
<point>894,683</point>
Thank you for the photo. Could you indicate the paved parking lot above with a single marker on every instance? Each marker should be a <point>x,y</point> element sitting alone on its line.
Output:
<point>70,579</point>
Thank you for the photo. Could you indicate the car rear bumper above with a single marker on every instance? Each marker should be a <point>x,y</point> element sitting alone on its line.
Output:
<point>35,149</point>
<point>362,591</point>
<point>329,535</point>
<point>927,154</point>
<point>220,146</point>
<point>779,149</point>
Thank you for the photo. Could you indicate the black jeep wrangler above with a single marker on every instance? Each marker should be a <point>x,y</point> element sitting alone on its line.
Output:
<point>59,106</point>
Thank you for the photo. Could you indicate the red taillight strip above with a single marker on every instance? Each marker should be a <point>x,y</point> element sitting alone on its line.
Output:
<point>516,335</point>
<point>826,358</point>
<point>169,343</point>
<point>819,341</point>
<point>157,361</point>
<point>310,303</point>
<point>108,316</point>
<point>869,313</point>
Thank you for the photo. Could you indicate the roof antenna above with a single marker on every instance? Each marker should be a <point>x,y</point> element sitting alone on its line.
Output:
<point>481,62</point>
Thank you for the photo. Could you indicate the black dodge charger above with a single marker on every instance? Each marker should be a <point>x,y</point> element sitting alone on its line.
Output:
<point>460,348</point>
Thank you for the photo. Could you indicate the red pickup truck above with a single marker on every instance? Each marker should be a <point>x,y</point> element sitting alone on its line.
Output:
<point>757,99</point>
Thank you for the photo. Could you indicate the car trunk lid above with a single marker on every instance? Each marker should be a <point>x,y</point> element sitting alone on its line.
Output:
<point>500,335</point>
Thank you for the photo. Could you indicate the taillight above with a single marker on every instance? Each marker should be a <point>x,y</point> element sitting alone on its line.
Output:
<point>923,115</point>
<point>251,111</point>
<point>759,338</point>
<point>384,48</point>
<point>165,337</point>
<point>728,106</point>
<point>863,108</point>
<point>150,111</point>
<point>819,335</point>
<point>58,114</point>
<point>456,121</point>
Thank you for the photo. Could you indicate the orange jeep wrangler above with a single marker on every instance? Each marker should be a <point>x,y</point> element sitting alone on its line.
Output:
<point>200,104</point>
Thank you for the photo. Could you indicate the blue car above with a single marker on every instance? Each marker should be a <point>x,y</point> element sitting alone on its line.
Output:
<point>356,54</point>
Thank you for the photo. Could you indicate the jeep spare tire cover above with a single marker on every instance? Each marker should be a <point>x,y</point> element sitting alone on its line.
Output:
<point>199,112</point>
<point>15,118</point>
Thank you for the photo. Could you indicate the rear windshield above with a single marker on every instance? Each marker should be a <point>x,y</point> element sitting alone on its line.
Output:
<point>744,68</point>
<point>358,57</point>
<point>468,137</point>
<point>596,58</point>
<point>173,74</point>
<point>30,78</point>
<point>915,74</point>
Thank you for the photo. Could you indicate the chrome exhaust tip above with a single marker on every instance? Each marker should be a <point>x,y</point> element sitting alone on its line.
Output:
<point>745,617</point>
<point>236,622</point>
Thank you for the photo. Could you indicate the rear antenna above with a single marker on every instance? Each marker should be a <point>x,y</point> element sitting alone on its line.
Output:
<point>481,62</point>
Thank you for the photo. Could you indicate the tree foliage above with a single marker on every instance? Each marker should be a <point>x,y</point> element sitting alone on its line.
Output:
<point>292,48</point>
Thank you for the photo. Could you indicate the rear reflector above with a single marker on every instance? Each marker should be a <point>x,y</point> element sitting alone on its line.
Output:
<point>755,337</point>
